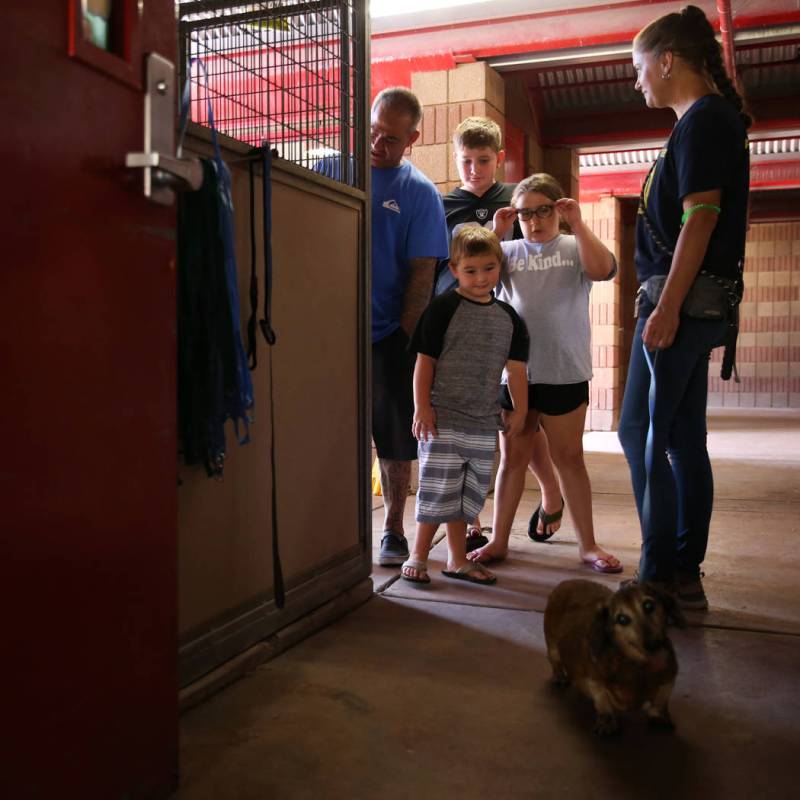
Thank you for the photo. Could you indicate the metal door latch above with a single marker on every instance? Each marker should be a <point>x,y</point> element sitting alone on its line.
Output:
<point>164,172</point>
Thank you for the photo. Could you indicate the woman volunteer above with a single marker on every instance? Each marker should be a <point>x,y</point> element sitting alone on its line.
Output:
<point>690,235</point>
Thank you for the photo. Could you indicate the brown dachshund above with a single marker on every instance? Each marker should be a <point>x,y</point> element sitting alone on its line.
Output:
<point>614,647</point>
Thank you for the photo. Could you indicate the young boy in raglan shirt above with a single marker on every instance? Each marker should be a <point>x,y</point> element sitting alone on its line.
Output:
<point>463,341</point>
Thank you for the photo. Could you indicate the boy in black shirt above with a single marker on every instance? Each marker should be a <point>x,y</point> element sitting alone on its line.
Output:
<point>464,340</point>
<point>478,153</point>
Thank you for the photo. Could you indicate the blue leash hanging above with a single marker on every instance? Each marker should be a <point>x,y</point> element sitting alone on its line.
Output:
<point>265,324</point>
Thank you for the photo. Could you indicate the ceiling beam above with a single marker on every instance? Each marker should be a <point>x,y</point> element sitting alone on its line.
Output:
<point>588,27</point>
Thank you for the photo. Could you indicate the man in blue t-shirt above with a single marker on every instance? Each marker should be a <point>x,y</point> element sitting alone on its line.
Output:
<point>409,235</point>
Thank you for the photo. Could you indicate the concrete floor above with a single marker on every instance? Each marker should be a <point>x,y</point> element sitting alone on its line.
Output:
<point>443,691</point>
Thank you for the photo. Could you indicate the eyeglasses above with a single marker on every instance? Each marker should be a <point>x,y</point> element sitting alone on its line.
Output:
<point>543,212</point>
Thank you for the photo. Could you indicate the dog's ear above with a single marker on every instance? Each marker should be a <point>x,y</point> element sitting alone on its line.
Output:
<point>598,633</point>
<point>670,603</point>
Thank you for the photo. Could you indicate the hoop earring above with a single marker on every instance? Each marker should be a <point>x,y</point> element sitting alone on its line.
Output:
<point>665,76</point>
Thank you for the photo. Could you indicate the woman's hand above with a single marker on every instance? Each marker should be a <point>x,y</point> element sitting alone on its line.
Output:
<point>503,220</point>
<point>570,211</point>
<point>424,425</point>
<point>661,328</point>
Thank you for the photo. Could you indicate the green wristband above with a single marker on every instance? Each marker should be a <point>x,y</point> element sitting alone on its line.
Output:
<point>689,211</point>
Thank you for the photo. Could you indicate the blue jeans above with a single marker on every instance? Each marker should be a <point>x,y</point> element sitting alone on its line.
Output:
<point>663,435</point>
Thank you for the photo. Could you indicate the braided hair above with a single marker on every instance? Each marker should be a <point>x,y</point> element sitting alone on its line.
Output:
<point>689,34</point>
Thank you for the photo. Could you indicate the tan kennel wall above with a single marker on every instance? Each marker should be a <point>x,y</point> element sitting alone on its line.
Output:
<point>319,369</point>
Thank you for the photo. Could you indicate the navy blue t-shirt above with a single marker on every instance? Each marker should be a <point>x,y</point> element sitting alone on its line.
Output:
<point>707,150</point>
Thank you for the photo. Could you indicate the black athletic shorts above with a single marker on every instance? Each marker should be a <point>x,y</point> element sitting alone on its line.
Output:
<point>552,399</point>
<point>393,398</point>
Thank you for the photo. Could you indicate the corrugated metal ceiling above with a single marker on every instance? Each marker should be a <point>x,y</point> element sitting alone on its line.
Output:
<point>765,71</point>
<point>760,149</point>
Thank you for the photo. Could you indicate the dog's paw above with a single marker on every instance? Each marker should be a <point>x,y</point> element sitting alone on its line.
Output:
<point>606,725</point>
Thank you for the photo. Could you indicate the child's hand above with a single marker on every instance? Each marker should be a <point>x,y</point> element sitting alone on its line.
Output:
<point>503,220</point>
<point>570,211</point>
<point>424,425</point>
<point>513,421</point>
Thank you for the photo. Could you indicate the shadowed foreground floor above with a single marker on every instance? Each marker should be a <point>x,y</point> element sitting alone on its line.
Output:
<point>443,692</point>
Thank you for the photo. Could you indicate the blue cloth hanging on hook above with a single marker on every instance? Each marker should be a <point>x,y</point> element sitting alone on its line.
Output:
<point>214,383</point>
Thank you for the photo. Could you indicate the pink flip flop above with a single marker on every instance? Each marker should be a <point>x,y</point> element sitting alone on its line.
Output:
<point>604,565</point>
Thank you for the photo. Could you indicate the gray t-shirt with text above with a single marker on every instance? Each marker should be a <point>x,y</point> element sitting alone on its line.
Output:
<point>546,285</point>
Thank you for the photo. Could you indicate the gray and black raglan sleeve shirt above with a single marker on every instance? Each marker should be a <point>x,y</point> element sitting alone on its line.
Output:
<point>471,343</point>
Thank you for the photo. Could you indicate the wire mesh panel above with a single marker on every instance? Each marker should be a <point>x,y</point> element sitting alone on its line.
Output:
<point>288,73</point>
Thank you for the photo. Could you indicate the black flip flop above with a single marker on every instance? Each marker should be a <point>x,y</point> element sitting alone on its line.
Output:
<point>476,540</point>
<point>462,573</point>
<point>547,519</point>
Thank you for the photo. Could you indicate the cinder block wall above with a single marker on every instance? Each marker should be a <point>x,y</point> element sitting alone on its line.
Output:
<point>768,354</point>
<point>605,390</point>
<point>448,97</point>
<point>563,164</point>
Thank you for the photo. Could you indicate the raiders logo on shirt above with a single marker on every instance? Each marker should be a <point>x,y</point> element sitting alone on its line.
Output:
<point>482,213</point>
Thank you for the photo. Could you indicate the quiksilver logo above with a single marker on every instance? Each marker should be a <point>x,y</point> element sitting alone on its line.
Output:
<point>391,205</point>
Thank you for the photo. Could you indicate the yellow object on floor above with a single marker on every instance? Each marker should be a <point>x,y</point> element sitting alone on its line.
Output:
<point>376,478</point>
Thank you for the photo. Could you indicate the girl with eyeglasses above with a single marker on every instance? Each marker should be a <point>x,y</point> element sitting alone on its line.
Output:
<point>547,277</point>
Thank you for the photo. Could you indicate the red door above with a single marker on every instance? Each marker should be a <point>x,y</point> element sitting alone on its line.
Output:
<point>88,456</point>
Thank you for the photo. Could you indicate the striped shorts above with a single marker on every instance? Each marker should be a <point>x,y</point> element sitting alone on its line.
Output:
<point>454,473</point>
